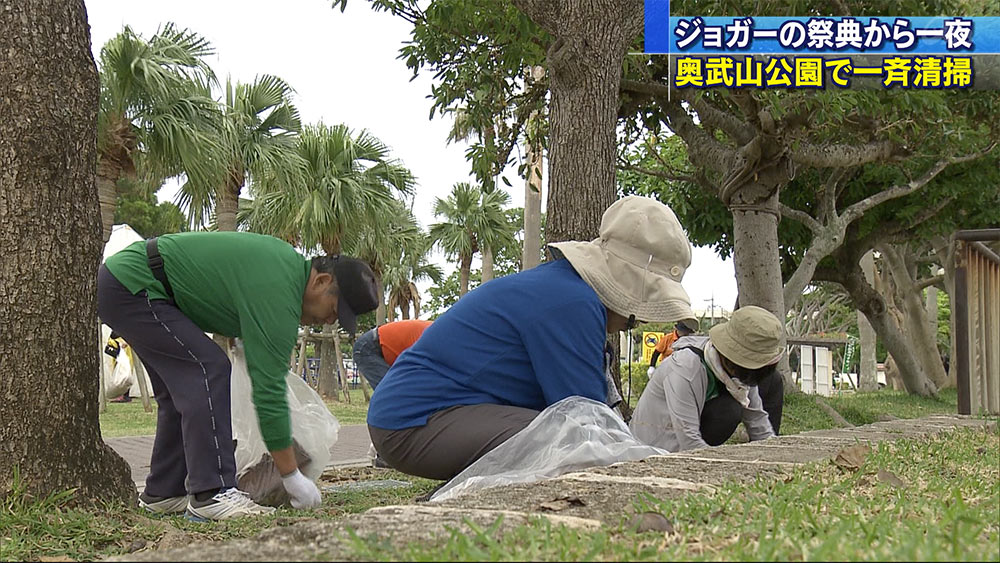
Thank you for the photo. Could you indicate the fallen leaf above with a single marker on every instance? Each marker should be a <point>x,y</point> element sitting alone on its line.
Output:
<point>650,521</point>
<point>561,503</point>
<point>891,478</point>
<point>136,545</point>
<point>852,457</point>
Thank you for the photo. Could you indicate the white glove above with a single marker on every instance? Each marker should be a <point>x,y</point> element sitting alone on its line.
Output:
<point>650,371</point>
<point>304,492</point>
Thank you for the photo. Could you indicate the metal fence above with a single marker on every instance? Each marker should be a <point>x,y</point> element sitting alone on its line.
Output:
<point>977,322</point>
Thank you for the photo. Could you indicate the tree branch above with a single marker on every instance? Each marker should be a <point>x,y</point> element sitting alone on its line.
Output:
<point>841,156</point>
<point>927,282</point>
<point>801,217</point>
<point>714,118</point>
<point>858,209</point>
<point>703,148</point>
<point>623,165</point>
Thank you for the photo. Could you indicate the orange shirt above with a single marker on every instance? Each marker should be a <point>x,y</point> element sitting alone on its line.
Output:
<point>398,336</point>
<point>665,345</point>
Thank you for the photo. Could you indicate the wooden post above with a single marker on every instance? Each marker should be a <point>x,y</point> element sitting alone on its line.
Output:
<point>302,357</point>
<point>340,364</point>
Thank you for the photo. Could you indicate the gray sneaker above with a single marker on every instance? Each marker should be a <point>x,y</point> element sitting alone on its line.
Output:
<point>162,505</point>
<point>226,504</point>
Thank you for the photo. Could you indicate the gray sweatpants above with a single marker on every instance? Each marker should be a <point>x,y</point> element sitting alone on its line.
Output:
<point>190,376</point>
<point>451,440</point>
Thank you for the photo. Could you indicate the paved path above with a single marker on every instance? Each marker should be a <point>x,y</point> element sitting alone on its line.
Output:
<point>351,449</point>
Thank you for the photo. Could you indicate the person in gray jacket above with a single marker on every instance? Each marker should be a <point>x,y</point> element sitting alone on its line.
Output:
<point>699,395</point>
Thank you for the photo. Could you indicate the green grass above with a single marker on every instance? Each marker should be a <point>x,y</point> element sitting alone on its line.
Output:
<point>801,413</point>
<point>53,527</point>
<point>129,419</point>
<point>355,412</point>
<point>949,509</point>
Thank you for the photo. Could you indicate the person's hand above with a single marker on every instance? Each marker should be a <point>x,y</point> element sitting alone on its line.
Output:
<point>650,371</point>
<point>304,492</point>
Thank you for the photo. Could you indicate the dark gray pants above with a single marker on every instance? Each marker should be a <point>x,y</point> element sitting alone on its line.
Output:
<point>451,440</point>
<point>190,376</point>
<point>368,357</point>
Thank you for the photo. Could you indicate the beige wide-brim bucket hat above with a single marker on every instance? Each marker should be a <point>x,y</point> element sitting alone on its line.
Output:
<point>751,338</point>
<point>637,263</point>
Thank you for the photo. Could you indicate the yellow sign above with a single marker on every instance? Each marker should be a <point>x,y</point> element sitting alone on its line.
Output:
<point>649,340</point>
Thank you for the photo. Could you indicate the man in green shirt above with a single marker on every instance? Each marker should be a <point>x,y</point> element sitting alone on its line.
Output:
<point>164,294</point>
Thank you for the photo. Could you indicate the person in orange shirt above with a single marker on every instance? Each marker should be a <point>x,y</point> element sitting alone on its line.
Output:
<point>665,346</point>
<point>377,349</point>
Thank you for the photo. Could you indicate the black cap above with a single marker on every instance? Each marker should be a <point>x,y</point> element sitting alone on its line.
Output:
<point>358,291</point>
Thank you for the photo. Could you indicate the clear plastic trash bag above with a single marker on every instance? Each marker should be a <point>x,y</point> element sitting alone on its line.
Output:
<point>573,434</point>
<point>314,432</point>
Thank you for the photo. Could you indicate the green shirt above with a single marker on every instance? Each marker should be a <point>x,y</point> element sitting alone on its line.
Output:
<point>235,284</point>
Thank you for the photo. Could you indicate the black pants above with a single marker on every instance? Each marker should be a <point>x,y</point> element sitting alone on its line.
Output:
<point>723,414</point>
<point>193,448</point>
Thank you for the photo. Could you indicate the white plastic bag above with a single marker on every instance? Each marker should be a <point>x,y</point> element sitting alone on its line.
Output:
<point>568,436</point>
<point>121,378</point>
<point>314,432</point>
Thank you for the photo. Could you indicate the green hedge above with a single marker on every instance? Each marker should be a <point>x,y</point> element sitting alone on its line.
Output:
<point>639,379</point>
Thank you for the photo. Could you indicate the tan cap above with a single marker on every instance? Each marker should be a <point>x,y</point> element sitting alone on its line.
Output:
<point>751,338</point>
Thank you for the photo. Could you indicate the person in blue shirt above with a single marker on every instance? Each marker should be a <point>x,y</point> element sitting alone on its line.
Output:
<point>517,344</point>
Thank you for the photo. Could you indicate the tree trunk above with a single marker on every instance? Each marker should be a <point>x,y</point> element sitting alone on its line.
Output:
<point>108,173</point>
<point>51,249</point>
<point>487,264</point>
<point>465,266</point>
<point>875,309</point>
<point>945,250</point>
<point>380,311</point>
<point>915,325</point>
<point>585,69</point>
<point>531,254</point>
<point>756,260</point>
<point>868,378</point>
<point>415,299</point>
<point>227,202</point>
<point>328,387</point>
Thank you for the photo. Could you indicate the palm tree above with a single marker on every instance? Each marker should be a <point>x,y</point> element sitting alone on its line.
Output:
<point>402,277</point>
<point>258,134</point>
<point>156,116</point>
<point>348,180</point>
<point>382,245</point>
<point>474,222</point>
<point>457,235</point>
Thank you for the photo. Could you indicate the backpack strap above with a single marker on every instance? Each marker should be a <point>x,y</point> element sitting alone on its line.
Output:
<point>156,266</point>
<point>712,389</point>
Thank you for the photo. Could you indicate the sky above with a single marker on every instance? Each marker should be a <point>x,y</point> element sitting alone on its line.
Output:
<point>344,69</point>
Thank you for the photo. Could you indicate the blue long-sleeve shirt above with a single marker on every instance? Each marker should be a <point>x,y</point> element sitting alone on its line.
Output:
<point>526,340</point>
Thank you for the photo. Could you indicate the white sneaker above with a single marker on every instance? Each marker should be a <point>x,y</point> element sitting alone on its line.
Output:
<point>162,505</point>
<point>226,504</point>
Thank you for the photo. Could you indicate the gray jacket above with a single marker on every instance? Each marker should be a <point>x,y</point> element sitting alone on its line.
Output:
<point>668,414</point>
